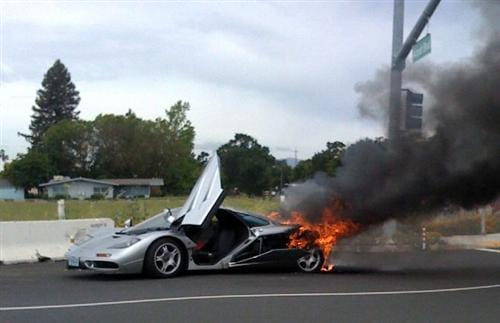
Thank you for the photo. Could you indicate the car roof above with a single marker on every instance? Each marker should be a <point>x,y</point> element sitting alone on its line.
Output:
<point>263,217</point>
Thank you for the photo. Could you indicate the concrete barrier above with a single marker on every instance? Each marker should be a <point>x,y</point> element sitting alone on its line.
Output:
<point>28,241</point>
<point>474,241</point>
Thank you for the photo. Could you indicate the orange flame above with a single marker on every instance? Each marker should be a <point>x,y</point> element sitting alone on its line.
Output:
<point>324,234</point>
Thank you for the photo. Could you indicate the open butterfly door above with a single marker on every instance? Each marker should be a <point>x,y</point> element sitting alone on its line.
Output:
<point>206,195</point>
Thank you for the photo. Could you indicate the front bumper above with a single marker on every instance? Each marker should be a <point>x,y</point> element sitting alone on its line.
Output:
<point>95,265</point>
<point>118,262</point>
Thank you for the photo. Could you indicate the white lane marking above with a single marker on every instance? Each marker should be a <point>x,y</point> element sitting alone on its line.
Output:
<point>205,297</point>
<point>488,250</point>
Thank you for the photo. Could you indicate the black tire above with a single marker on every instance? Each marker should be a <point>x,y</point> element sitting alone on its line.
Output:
<point>165,258</point>
<point>312,262</point>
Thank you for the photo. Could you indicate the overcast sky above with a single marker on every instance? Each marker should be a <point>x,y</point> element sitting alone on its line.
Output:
<point>283,72</point>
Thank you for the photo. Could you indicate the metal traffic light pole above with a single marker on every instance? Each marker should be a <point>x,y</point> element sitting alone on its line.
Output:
<point>396,73</point>
<point>400,51</point>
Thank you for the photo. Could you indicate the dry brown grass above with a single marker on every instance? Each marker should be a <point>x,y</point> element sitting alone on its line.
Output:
<point>462,223</point>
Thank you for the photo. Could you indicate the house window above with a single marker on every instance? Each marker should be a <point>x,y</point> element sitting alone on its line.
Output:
<point>59,189</point>
<point>101,190</point>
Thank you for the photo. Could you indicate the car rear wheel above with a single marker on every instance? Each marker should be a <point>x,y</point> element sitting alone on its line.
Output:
<point>165,258</point>
<point>311,262</point>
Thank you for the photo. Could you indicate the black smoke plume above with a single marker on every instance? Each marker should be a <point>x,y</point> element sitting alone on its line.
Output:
<point>458,161</point>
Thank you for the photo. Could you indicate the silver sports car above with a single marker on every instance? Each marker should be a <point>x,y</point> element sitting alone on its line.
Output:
<point>198,236</point>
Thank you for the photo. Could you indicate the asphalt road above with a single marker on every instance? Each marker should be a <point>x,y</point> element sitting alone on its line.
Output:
<point>458,286</point>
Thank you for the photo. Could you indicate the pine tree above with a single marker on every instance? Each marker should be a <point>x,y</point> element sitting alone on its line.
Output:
<point>56,101</point>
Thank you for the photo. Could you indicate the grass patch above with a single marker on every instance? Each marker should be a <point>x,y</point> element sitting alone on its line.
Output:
<point>254,205</point>
<point>118,210</point>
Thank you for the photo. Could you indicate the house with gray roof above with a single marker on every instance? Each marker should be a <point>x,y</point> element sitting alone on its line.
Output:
<point>84,188</point>
<point>9,191</point>
<point>135,187</point>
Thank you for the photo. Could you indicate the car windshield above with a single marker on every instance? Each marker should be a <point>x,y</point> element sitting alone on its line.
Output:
<point>253,221</point>
<point>157,222</point>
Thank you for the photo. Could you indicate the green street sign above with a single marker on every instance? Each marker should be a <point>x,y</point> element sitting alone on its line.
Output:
<point>422,48</point>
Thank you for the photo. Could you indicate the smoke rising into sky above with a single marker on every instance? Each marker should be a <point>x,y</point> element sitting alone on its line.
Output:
<point>457,163</point>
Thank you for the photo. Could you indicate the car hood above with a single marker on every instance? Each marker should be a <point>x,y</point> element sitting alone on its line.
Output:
<point>104,239</point>
<point>94,238</point>
<point>205,197</point>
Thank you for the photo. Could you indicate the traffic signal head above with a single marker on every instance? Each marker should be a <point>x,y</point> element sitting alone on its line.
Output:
<point>413,111</point>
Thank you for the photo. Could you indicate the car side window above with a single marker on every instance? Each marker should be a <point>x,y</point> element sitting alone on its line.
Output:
<point>253,221</point>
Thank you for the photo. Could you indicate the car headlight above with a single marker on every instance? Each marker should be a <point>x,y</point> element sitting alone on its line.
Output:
<point>125,244</point>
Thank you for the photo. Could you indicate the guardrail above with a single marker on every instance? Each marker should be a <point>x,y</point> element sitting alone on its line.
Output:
<point>30,241</point>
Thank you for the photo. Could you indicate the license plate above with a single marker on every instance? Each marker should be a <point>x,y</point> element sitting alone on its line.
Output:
<point>74,262</point>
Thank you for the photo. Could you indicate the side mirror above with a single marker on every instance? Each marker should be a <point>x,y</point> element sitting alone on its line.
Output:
<point>256,231</point>
<point>128,223</point>
<point>168,216</point>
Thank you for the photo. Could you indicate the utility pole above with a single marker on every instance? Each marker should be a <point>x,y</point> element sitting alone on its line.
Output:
<point>400,51</point>
<point>396,73</point>
<point>482,215</point>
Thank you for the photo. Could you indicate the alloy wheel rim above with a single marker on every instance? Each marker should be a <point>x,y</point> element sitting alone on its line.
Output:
<point>311,261</point>
<point>167,258</point>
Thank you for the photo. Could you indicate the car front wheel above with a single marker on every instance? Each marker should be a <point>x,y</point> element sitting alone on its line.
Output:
<point>311,262</point>
<point>165,258</point>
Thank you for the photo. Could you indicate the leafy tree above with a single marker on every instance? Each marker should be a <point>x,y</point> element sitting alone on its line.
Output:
<point>246,164</point>
<point>303,170</point>
<point>29,170</point>
<point>325,161</point>
<point>70,147</point>
<point>127,146</point>
<point>123,146</point>
<point>281,174</point>
<point>114,146</point>
<point>56,101</point>
<point>175,137</point>
<point>202,158</point>
<point>329,159</point>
